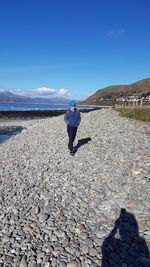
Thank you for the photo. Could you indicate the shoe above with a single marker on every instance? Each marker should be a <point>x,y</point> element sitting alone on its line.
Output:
<point>71,153</point>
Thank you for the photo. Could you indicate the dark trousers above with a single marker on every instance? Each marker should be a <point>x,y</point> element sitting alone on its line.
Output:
<point>72,134</point>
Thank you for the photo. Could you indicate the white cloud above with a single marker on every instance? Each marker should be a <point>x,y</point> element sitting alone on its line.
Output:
<point>62,91</point>
<point>18,92</point>
<point>116,33</point>
<point>45,91</point>
<point>111,33</point>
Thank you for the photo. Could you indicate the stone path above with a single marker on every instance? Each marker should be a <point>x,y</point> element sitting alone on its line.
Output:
<point>89,210</point>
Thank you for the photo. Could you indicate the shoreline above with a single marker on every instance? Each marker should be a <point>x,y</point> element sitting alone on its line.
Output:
<point>10,115</point>
<point>11,121</point>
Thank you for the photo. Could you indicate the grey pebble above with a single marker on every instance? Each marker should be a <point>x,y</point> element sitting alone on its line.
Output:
<point>57,210</point>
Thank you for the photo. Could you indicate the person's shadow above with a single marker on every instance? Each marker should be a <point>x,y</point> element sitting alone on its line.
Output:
<point>81,142</point>
<point>124,246</point>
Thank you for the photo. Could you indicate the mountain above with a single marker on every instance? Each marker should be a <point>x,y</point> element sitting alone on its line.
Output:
<point>139,88</point>
<point>8,97</point>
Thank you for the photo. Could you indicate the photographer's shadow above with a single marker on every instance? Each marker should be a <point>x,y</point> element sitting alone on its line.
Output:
<point>81,142</point>
<point>124,245</point>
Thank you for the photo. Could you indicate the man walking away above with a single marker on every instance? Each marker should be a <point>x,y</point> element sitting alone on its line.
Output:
<point>72,118</point>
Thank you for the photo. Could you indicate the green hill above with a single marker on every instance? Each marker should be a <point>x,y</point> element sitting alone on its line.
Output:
<point>140,88</point>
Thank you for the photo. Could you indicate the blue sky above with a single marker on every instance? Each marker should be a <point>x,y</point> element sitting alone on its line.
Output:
<point>72,48</point>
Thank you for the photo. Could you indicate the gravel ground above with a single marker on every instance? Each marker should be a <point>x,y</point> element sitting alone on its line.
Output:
<point>89,210</point>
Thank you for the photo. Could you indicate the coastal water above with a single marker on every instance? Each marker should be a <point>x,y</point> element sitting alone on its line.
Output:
<point>26,106</point>
<point>9,131</point>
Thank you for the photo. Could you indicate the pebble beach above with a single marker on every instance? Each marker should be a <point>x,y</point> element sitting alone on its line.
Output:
<point>87,210</point>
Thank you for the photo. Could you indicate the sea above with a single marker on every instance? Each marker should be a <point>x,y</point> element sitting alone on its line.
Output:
<point>25,106</point>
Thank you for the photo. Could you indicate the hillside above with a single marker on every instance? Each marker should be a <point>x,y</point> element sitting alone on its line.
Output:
<point>112,92</point>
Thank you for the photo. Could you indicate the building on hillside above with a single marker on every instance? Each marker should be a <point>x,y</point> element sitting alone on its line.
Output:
<point>128,98</point>
<point>147,98</point>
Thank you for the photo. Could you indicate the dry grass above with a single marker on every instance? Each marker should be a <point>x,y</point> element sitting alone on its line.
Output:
<point>137,114</point>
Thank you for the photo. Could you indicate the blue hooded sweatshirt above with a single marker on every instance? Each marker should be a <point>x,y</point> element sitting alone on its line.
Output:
<point>72,118</point>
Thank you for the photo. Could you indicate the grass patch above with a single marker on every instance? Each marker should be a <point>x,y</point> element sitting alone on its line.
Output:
<point>137,114</point>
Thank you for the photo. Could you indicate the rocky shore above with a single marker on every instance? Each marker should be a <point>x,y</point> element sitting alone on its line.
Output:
<point>10,115</point>
<point>10,118</point>
<point>89,210</point>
